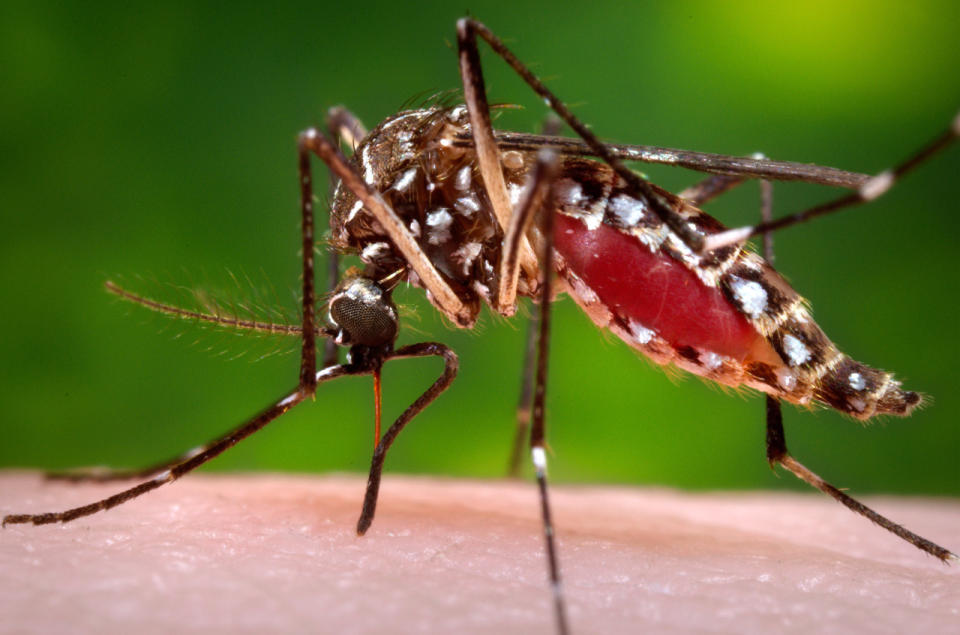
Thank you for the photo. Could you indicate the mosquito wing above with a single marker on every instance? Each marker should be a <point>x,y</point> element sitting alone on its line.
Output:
<point>699,161</point>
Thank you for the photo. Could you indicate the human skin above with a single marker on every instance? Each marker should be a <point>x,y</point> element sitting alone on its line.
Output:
<point>271,553</point>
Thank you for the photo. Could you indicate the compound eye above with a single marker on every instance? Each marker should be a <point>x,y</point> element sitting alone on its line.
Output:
<point>364,312</point>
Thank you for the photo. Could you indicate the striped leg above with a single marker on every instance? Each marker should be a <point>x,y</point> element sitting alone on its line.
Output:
<point>538,427</point>
<point>467,31</point>
<point>190,461</point>
<point>532,203</point>
<point>777,453</point>
<point>345,128</point>
<point>868,191</point>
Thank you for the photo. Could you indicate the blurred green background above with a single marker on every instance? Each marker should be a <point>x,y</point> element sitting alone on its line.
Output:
<point>160,141</point>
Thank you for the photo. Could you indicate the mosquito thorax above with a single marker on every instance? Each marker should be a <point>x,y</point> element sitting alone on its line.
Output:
<point>363,313</point>
<point>434,185</point>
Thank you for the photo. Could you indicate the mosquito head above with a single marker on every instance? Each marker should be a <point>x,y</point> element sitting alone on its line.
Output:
<point>363,314</point>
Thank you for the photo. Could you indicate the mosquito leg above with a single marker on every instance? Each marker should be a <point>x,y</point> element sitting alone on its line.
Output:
<point>777,454</point>
<point>347,129</point>
<point>331,351</point>
<point>106,475</point>
<point>451,364</point>
<point>872,189</point>
<point>314,141</point>
<point>710,188</point>
<point>468,29</point>
<point>346,126</point>
<point>700,161</point>
<point>766,214</point>
<point>538,427</point>
<point>537,191</point>
<point>715,185</point>
<point>516,230</point>
<point>488,157</point>
<point>195,460</point>
<point>776,440</point>
<point>308,354</point>
<point>525,401</point>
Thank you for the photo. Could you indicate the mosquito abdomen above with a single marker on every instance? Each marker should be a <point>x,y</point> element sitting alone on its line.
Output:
<point>727,316</point>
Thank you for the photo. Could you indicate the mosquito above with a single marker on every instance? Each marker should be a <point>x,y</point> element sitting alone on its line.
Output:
<point>437,198</point>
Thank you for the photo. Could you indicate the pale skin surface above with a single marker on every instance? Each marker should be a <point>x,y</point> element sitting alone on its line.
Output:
<point>269,553</point>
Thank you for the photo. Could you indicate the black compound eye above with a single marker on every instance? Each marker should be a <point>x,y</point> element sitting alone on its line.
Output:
<point>364,312</point>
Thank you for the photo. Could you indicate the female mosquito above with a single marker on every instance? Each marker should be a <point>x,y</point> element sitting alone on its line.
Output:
<point>436,198</point>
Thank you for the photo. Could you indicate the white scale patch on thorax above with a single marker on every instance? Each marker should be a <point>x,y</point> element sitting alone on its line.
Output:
<point>373,251</point>
<point>467,205</point>
<point>354,210</point>
<point>405,180</point>
<point>466,255</point>
<point>438,226</point>
<point>462,180</point>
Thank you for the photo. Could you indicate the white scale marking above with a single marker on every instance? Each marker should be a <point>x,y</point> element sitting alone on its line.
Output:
<point>482,290</point>
<point>584,292</point>
<point>462,180</point>
<point>438,222</point>
<point>857,382</point>
<point>629,211</point>
<point>876,186</point>
<point>322,374</point>
<point>796,351</point>
<point>369,176</point>
<point>786,379</point>
<point>163,477</point>
<point>569,192</point>
<point>857,404</point>
<point>373,251</point>
<point>750,294</point>
<point>467,254</point>
<point>405,180</point>
<point>289,399</point>
<point>539,457</point>
<point>466,205</point>
<point>711,361</point>
<point>640,333</point>
<point>516,192</point>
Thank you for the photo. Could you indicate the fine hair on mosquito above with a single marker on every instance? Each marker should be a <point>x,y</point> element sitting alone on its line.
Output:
<point>434,197</point>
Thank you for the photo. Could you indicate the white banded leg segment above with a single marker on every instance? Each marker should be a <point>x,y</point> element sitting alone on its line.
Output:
<point>488,155</point>
<point>539,457</point>
<point>870,190</point>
